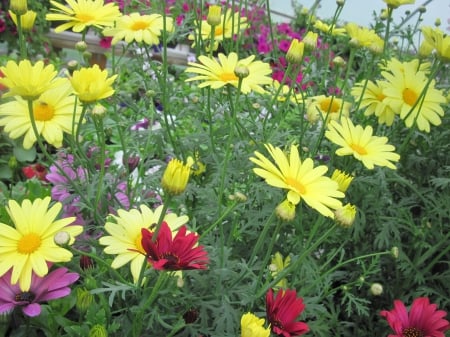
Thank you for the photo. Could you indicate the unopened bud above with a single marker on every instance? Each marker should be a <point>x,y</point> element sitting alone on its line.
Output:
<point>340,3</point>
<point>214,15</point>
<point>437,22</point>
<point>19,7</point>
<point>98,330</point>
<point>422,9</point>
<point>394,252</point>
<point>61,238</point>
<point>241,71</point>
<point>81,46</point>
<point>295,52</point>
<point>376,289</point>
<point>286,210</point>
<point>98,110</point>
<point>339,61</point>
<point>72,65</point>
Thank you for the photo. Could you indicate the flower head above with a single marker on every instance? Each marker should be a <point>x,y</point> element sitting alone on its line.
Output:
<point>345,216</point>
<point>168,252</point>
<point>282,312</point>
<point>139,28</point>
<point>437,40</point>
<point>277,265</point>
<point>176,176</point>
<point>214,15</point>
<point>295,52</point>
<point>404,93</point>
<point>252,326</point>
<point>327,29</point>
<point>300,178</point>
<point>343,179</point>
<point>82,14</point>
<point>363,37</point>
<point>354,140</point>
<point>217,74</point>
<point>124,239</point>
<point>326,108</point>
<point>27,80</point>
<point>29,245</point>
<point>286,210</point>
<point>42,289</point>
<point>92,84</point>
<point>53,113</point>
<point>397,3</point>
<point>372,99</point>
<point>422,320</point>
<point>19,7</point>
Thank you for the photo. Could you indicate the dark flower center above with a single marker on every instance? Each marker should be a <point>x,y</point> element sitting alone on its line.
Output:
<point>172,259</point>
<point>26,296</point>
<point>412,332</point>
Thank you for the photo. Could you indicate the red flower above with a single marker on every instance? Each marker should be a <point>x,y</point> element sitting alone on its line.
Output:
<point>173,253</point>
<point>423,320</point>
<point>283,312</point>
<point>35,170</point>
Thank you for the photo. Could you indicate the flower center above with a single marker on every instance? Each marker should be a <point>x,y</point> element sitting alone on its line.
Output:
<point>359,149</point>
<point>330,104</point>
<point>139,25</point>
<point>298,186</point>
<point>410,96</point>
<point>172,259</point>
<point>381,97</point>
<point>29,243</point>
<point>138,243</point>
<point>85,17</point>
<point>26,296</point>
<point>228,77</point>
<point>412,332</point>
<point>43,111</point>
<point>218,30</point>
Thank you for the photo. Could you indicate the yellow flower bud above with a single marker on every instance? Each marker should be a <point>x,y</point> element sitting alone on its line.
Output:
<point>286,210</point>
<point>345,216</point>
<point>26,20</point>
<point>175,177</point>
<point>214,15</point>
<point>295,52</point>
<point>19,7</point>
<point>343,179</point>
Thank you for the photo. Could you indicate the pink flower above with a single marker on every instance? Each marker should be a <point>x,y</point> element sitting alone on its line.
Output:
<point>423,319</point>
<point>284,45</point>
<point>105,42</point>
<point>282,313</point>
<point>53,285</point>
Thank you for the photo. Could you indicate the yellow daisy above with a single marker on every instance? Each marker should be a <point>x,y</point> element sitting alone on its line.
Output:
<point>53,113</point>
<point>327,29</point>
<point>139,28</point>
<point>363,37</point>
<point>354,140</point>
<point>125,235</point>
<point>373,100</point>
<point>436,39</point>
<point>92,84</point>
<point>300,178</point>
<point>217,74</point>
<point>27,246</point>
<point>396,3</point>
<point>230,24</point>
<point>403,90</point>
<point>27,80</point>
<point>82,14</point>
<point>252,326</point>
<point>176,176</point>
<point>326,108</point>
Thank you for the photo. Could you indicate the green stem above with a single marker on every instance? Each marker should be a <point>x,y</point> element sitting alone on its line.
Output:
<point>219,220</point>
<point>386,34</point>
<point>22,45</point>
<point>262,237</point>
<point>98,122</point>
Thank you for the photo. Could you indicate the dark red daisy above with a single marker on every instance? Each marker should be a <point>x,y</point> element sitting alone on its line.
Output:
<point>283,311</point>
<point>423,319</point>
<point>173,253</point>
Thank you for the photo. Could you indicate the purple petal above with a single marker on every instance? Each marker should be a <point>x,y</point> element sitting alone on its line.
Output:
<point>32,310</point>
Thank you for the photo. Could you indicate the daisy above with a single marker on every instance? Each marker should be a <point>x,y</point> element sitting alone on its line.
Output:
<point>52,286</point>
<point>373,100</point>
<point>82,14</point>
<point>26,21</point>
<point>327,29</point>
<point>92,84</point>
<point>436,39</point>
<point>230,24</point>
<point>168,252</point>
<point>29,245</point>
<point>124,239</point>
<point>326,108</point>
<point>252,326</point>
<point>396,3</point>
<point>53,114</point>
<point>363,37</point>
<point>403,91</point>
<point>282,312</point>
<point>217,74</point>
<point>354,140</point>
<point>422,320</point>
<point>26,80</point>
<point>139,28</point>
<point>176,176</point>
<point>300,178</point>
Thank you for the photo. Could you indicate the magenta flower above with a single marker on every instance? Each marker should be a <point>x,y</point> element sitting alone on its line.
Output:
<point>422,320</point>
<point>282,312</point>
<point>52,286</point>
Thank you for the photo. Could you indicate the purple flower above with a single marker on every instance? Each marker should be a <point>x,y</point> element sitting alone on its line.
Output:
<point>53,285</point>
<point>284,45</point>
<point>284,28</point>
